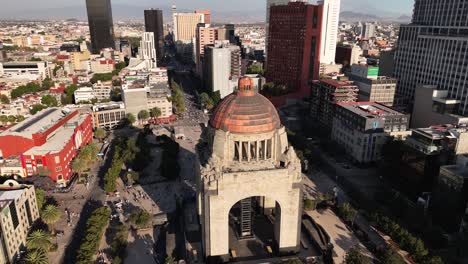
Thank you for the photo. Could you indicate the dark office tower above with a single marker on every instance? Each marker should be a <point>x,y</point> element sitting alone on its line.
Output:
<point>432,50</point>
<point>101,27</point>
<point>154,23</point>
<point>294,45</point>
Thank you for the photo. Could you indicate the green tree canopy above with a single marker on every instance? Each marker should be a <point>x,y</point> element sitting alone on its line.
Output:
<point>49,100</point>
<point>37,257</point>
<point>355,256</point>
<point>4,99</point>
<point>206,101</point>
<point>40,198</point>
<point>143,115</point>
<point>255,68</point>
<point>140,218</point>
<point>39,239</point>
<point>36,108</point>
<point>131,118</point>
<point>100,133</point>
<point>156,112</point>
<point>50,215</point>
<point>67,97</point>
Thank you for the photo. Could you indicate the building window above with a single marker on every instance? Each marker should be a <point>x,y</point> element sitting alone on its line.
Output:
<point>59,168</point>
<point>57,159</point>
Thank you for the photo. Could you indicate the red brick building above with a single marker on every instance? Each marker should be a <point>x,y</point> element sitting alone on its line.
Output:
<point>294,46</point>
<point>49,140</point>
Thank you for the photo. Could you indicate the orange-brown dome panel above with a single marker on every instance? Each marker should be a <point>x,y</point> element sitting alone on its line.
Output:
<point>245,112</point>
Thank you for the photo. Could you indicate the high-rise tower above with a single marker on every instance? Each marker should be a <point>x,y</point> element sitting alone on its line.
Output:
<point>330,19</point>
<point>432,50</point>
<point>148,50</point>
<point>101,26</point>
<point>154,23</point>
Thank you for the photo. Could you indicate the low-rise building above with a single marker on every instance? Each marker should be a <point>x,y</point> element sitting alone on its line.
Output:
<point>84,95</point>
<point>108,115</point>
<point>102,65</point>
<point>102,90</point>
<point>325,94</point>
<point>19,211</point>
<point>433,106</point>
<point>362,128</point>
<point>47,142</point>
<point>372,87</point>
<point>29,70</point>
<point>158,97</point>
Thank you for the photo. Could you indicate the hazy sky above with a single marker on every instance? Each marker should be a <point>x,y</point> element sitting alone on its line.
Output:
<point>393,6</point>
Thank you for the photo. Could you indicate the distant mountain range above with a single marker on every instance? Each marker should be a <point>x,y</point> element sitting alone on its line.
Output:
<point>350,16</point>
<point>125,12</point>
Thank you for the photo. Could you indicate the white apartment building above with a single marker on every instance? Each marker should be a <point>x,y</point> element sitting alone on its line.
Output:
<point>84,94</point>
<point>102,90</point>
<point>148,50</point>
<point>29,70</point>
<point>331,16</point>
<point>18,212</point>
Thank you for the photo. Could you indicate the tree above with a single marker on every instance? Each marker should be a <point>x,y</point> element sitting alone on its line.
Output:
<point>143,115</point>
<point>355,256</point>
<point>116,94</point>
<point>95,227</point>
<point>78,165</point>
<point>389,256</point>
<point>206,101</point>
<point>216,96</point>
<point>130,118</point>
<point>20,118</point>
<point>47,83</point>
<point>49,100</point>
<point>255,68</point>
<point>140,218</point>
<point>170,260</point>
<point>156,112</point>
<point>100,134</point>
<point>40,198</point>
<point>37,257</point>
<point>4,119</point>
<point>12,119</point>
<point>4,99</point>
<point>40,240</point>
<point>69,92</point>
<point>347,212</point>
<point>50,215</point>
<point>36,108</point>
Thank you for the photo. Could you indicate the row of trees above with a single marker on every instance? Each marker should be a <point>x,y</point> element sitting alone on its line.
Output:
<point>178,97</point>
<point>210,101</point>
<point>144,115</point>
<point>85,158</point>
<point>32,87</point>
<point>404,239</point>
<point>11,119</point>
<point>119,244</point>
<point>124,151</point>
<point>271,89</point>
<point>140,218</point>
<point>95,227</point>
<point>39,241</point>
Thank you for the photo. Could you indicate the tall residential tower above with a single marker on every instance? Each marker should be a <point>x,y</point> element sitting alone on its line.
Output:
<point>432,50</point>
<point>101,26</point>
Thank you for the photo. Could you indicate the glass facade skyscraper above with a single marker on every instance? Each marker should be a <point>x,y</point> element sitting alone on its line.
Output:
<point>101,26</point>
<point>154,23</point>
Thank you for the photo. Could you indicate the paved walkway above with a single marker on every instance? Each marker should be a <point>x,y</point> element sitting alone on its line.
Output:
<point>140,248</point>
<point>341,237</point>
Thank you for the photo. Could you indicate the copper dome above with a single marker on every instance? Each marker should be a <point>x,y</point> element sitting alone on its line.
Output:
<point>245,112</point>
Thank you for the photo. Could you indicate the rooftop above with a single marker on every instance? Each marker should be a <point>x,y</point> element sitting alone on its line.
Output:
<point>369,109</point>
<point>442,131</point>
<point>60,137</point>
<point>37,123</point>
<point>337,83</point>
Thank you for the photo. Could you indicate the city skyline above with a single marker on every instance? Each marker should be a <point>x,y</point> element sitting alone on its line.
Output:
<point>48,8</point>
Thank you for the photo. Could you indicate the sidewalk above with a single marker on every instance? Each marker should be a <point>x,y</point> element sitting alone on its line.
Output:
<point>341,237</point>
